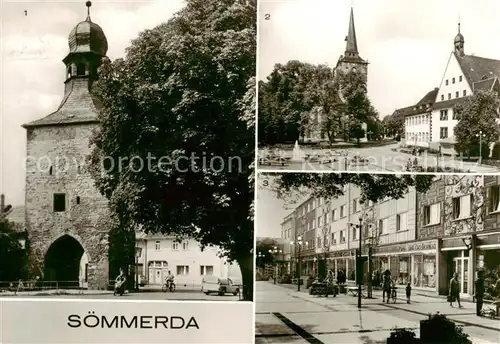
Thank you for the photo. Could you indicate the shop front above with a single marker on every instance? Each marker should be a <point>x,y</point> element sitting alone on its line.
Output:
<point>488,260</point>
<point>345,261</point>
<point>456,256</point>
<point>412,262</point>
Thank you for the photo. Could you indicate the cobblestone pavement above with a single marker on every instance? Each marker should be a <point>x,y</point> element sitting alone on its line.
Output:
<point>284,315</point>
<point>379,159</point>
<point>177,295</point>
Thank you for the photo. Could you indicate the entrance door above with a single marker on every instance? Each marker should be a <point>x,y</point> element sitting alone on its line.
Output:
<point>461,265</point>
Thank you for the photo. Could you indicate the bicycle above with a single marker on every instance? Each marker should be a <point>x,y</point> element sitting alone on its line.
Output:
<point>393,294</point>
<point>169,285</point>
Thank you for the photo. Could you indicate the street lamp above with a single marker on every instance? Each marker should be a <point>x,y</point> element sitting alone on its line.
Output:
<point>299,243</point>
<point>315,260</point>
<point>480,135</point>
<point>359,261</point>
<point>138,251</point>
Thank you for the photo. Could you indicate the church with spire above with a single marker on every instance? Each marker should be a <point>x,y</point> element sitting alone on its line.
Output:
<point>430,123</point>
<point>65,214</point>
<point>350,61</point>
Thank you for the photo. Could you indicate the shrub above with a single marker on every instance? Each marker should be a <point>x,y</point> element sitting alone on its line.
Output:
<point>439,329</point>
<point>402,336</point>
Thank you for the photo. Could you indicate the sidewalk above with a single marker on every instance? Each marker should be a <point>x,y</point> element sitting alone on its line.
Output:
<point>55,292</point>
<point>284,315</point>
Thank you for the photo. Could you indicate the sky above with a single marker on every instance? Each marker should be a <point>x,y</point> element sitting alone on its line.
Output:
<point>32,72</point>
<point>270,210</point>
<point>406,42</point>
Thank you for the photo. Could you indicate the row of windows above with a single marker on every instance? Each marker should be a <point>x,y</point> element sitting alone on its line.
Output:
<point>457,95</point>
<point>205,270</point>
<point>175,245</point>
<point>382,228</point>
<point>79,170</point>
<point>443,115</point>
<point>418,137</point>
<point>462,207</point>
<point>416,120</point>
<point>460,78</point>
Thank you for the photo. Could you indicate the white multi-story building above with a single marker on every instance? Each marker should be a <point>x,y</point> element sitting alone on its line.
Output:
<point>185,259</point>
<point>433,126</point>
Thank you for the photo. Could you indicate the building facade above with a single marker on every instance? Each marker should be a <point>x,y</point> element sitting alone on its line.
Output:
<point>463,76</point>
<point>422,238</point>
<point>65,214</point>
<point>185,260</point>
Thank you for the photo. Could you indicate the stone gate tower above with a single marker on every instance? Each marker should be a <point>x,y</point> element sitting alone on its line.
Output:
<point>65,213</point>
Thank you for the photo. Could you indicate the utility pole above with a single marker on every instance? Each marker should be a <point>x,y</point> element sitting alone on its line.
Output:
<point>5,210</point>
<point>360,274</point>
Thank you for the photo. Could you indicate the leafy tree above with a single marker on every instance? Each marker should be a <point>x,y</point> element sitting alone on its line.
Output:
<point>394,125</point>
<point>374,187</point>
<point>356,131</point>
<point>282,103</point>
<point>180,108</point>
<point>477,113</point>
<point>13,258</point>
<point>263,256</point>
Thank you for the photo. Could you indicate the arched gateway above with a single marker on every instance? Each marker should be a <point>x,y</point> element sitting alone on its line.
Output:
<point>66,217</point>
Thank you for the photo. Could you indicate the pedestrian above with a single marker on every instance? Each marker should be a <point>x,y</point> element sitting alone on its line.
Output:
<point>479,292</point>
<point>454,292</point>
<point>386,288</point>
<point>408,292</point>
<point>329,283</point>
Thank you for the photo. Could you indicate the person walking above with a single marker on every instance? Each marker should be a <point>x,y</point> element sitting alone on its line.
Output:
<point>387,286</point>
<point>454,292</point>
<point>329,283</point>
<point>408,292</point>
<point>479,292</point>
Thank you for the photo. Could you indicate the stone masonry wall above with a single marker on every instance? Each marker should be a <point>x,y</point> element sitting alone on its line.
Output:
<point>65,148</point>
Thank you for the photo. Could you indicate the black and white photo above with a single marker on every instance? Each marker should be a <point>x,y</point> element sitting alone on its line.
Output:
<point>384,86</point>
<point>127,140</point>
<point>337,254</point>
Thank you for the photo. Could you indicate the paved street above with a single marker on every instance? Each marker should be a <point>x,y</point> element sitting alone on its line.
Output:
<point>380,158</point>
<point>284,315</point>
<point>177,295</point>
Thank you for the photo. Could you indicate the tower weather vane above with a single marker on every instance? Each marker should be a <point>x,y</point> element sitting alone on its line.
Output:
<point>88,4</point>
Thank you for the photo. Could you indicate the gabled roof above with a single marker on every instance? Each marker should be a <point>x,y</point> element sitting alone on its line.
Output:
<point>477,68</point>
<point>446,104</point>
<point>430,97</point>
<point>423,105</point>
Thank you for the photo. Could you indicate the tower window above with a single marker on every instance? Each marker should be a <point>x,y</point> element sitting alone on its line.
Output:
<point>447,82</point>
<point>453,80</point>
<point>50,170</point>
<point>77,199</point>
<point>460,78</point>
<point>80,69</point>
<point>59,202</point>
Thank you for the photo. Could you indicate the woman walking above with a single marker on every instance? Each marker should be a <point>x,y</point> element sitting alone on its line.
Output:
<point>454,293</point>
<point>387,286</point>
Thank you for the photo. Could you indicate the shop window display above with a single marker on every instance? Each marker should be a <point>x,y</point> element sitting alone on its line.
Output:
<point>424,271</point>
<point>489,262</point>
<point>404,270</point>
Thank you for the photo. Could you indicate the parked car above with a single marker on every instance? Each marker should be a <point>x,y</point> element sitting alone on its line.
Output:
<point>142,281</point>
<point>221,286</point>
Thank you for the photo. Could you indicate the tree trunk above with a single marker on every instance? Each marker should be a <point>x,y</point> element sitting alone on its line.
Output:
<point>247,268</point>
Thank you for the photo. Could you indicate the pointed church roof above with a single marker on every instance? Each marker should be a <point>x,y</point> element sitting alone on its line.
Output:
<point>352,43</point>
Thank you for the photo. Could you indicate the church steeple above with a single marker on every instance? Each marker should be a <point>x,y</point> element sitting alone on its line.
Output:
<point>351,49</point>
<point>459,42</point>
